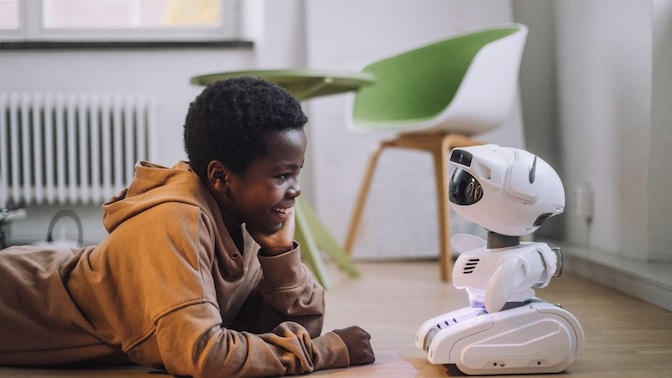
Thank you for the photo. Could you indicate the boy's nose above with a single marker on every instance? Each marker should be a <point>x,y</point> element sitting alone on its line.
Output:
<point>294,191</point>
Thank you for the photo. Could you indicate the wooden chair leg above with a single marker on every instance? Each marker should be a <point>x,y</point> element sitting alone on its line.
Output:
<point>361,199</point>
<point>448,142</point>
<point>443,212</point>
<point>440,147</point>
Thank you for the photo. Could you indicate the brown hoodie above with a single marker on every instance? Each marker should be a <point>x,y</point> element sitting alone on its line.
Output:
<point>167,288</point>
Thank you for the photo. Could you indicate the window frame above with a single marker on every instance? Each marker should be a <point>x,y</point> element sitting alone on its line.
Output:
<point>31,28</point>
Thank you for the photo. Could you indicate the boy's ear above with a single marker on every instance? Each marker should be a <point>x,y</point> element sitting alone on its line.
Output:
<point>218,175</point>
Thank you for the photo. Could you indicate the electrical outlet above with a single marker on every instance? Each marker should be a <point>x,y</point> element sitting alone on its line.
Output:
<point>582,202</point>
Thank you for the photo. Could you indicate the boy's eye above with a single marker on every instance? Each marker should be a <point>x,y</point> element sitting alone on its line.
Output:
<point>288,175</point>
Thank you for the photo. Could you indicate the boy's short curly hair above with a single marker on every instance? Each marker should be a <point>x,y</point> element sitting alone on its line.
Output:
<point>229,120</point>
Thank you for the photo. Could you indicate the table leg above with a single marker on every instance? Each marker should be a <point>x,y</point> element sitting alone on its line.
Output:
<point>314,238</point>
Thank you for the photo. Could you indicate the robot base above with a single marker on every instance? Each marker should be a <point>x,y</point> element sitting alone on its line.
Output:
<point>536,337</point>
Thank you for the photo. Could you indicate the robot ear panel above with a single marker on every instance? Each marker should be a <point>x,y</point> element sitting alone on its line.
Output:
<point>482,171</point>
<point>523,179</point>
<point>533,171</point>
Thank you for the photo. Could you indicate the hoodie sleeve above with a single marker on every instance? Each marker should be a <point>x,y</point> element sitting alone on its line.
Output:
<point>188,348</point>
<point>192,341</point>
<point>289,293</point>
<point>188,336</point>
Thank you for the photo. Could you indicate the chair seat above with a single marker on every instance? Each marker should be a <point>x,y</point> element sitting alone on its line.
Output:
<point>466,84</point>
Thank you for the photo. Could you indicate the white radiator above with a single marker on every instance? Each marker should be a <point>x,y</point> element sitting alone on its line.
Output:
<point>72,148</point>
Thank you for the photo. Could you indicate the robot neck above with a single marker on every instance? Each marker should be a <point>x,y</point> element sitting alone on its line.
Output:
<point>496,240</point>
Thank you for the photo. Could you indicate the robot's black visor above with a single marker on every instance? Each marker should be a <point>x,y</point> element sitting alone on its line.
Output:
<point>464,189</point>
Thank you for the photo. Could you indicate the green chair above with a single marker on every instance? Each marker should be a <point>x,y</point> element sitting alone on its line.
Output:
<point>435,98</point>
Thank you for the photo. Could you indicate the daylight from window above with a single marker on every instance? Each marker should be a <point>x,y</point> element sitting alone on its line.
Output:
<point>9,14</point>
<point>118,14</point>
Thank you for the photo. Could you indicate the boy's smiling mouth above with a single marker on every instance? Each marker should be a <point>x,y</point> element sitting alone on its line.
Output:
<point>283,212</point>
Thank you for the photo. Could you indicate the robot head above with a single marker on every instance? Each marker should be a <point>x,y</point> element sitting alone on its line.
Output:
<point>506,190</point>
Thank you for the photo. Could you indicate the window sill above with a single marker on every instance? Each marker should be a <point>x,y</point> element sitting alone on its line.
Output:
<point>124,45</point>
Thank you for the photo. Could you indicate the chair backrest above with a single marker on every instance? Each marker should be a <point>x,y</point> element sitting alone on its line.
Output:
<point>466,84</point>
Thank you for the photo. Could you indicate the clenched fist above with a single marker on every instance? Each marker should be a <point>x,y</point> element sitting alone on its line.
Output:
<point>359,346</point>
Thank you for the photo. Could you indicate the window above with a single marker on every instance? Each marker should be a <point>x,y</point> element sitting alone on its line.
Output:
<point>99,20</point>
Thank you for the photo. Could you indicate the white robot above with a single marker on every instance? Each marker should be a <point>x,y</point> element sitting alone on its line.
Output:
<point>506,329</point>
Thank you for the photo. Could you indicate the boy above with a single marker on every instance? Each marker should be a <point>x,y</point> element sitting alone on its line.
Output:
<point>199,274</point>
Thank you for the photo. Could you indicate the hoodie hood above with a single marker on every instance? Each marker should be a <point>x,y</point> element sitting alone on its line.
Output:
<point>153,185</point>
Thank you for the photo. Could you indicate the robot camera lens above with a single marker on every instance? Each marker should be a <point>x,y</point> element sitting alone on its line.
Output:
<point>464,189</point>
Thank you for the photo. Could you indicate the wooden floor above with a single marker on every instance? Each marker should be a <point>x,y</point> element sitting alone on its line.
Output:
<point>625,337</point>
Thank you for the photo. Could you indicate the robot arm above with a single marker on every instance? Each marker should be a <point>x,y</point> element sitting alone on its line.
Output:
<point>503,283</point>
<point>531,265</point>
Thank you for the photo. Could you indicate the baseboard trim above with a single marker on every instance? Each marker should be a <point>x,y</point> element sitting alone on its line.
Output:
<point>622,274</point>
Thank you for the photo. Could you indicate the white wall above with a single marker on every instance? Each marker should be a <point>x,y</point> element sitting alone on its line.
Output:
<point>612,89</point>
<point>660,179</point>
<point>605,97</point>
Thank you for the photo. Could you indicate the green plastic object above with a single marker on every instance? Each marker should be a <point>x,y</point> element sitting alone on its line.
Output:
<point>301,83</point>
<point>418,85</point>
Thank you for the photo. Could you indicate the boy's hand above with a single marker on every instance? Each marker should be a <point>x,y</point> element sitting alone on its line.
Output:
<point>279,242</point>
<point>359,345</point>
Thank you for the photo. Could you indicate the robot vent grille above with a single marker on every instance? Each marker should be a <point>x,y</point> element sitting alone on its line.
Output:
<point>541,219</point>
<point>470,266</point>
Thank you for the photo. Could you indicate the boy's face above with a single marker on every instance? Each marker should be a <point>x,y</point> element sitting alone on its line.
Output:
<point>262,196</point>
